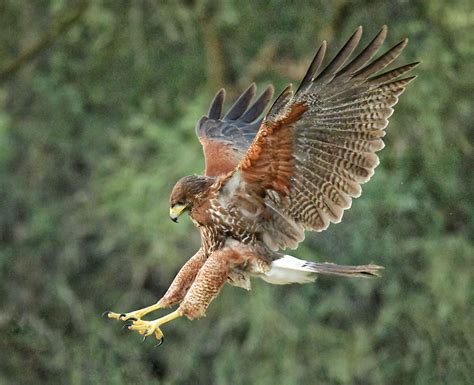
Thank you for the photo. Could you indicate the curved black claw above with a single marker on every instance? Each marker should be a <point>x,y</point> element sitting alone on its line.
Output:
<point>123,317</point>
<point>105,313</point>
<point>160,342</point>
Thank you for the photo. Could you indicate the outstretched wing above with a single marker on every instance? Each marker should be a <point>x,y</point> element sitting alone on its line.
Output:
<point>226,139</point>
<point>315,148</point>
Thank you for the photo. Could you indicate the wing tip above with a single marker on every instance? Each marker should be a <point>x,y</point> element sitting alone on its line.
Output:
<point>270,89</point>
<point>402,44</point>
<point>267,93</point>
<point>215,109</point>
<point>252,87</point>
<point>409,79</point>
<point>382,34</point>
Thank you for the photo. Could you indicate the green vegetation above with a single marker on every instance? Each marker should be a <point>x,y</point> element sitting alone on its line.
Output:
<point>98,102</point>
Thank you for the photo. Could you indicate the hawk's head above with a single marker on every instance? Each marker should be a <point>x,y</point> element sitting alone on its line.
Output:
<point>187,192</point>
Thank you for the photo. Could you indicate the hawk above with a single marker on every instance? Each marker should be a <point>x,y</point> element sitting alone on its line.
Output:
<point>269,179</point>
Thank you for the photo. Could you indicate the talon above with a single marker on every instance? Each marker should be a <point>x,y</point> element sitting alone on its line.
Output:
<point>144,338</point>
<point>160,342</point>
<point>105,313</point>
<point>147,328</point>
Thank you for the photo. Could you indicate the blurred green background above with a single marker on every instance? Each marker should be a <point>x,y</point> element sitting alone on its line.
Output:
<point>98,102</point>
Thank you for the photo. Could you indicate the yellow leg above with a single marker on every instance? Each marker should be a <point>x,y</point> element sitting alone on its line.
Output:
<point>147,328</point>
<point>134,315</point>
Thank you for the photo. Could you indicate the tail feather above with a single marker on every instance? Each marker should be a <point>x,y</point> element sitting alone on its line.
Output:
<point>365,271</point>
<point>289,269</point>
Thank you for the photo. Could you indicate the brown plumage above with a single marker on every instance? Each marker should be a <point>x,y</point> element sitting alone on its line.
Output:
<point>268,180</point>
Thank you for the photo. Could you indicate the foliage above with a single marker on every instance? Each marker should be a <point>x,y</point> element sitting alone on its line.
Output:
<point>96,129</point>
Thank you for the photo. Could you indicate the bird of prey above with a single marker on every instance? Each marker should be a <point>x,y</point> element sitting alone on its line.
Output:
<point>269,179</point>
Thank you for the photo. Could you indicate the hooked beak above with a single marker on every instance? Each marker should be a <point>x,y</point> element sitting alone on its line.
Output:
<point>176,211</point>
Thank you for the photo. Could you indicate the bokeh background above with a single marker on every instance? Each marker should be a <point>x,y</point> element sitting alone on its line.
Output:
<point>98,103</point>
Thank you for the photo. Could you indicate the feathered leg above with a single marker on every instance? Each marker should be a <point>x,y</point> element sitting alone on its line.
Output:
<point>175,293</point>
<point>210,279</point>
<point>208,282</point>
<point>183,280</point>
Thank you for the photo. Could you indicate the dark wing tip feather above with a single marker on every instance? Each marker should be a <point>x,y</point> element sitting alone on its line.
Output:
<point>367,53</point>
<point>215,109</point>
<point>383,61</point>
<point>314,66</point>
<point>258,106</point>
<point>342,56</point>
<point>241,104</point>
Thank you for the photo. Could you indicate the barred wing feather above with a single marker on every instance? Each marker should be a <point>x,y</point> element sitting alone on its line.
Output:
<point>332,127</point>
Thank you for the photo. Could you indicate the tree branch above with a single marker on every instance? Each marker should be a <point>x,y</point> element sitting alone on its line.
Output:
<point>58,27</point>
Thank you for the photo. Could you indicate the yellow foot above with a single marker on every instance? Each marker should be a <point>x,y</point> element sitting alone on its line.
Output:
<point>133,315</point>
<point>147,328</point>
